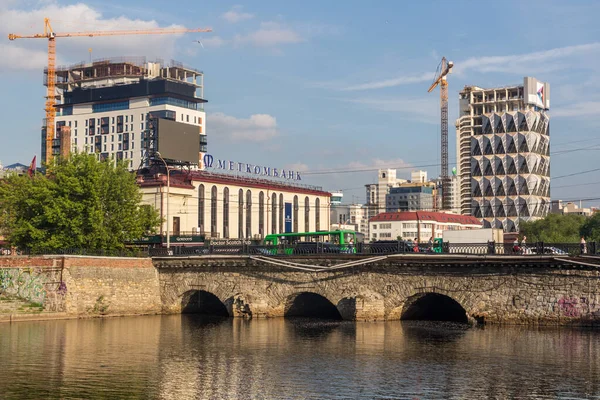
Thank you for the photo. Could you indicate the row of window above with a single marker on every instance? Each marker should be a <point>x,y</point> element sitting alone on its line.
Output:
<point>245,205</point>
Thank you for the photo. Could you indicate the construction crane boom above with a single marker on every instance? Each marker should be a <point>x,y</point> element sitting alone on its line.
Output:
<point>51,87</point>
<point>443,70</point>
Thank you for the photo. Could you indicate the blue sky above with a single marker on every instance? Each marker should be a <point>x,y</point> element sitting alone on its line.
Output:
<point>327,86</point>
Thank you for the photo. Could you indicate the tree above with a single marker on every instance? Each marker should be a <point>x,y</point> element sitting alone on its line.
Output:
<point>554,228</point>
<point>79,203</point>
<point>590,229</point>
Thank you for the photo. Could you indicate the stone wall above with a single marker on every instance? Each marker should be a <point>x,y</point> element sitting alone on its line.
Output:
<point>495,292</point>
<point>111,286</point>
<point>77,286</point>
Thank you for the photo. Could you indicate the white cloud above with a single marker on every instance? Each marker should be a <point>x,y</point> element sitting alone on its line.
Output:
<point>270,34</point>
<point>418,109</point>
<point>378,163</point>
<point>257,128</point>
<point>401,80</point>
<point>236,15</point>
<point>519,64</point>
<point>25,53</point>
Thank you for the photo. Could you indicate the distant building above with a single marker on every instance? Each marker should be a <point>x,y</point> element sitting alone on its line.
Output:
<point>410,198</point>
<point>418,224</point>
<point>350,216</point>
<point>233,207</point>
<point>503,153</point>
<point>557,207</point>
<point>376,192</point>
<point>336,198</point>
<point>105,107</point>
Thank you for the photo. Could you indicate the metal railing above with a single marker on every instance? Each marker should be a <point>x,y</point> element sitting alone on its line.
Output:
<point>382,248</point>
<point>320,248</point>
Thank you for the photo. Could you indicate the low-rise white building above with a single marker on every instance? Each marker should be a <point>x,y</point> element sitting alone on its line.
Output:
<point>233,207</point>
<point>418,224</point>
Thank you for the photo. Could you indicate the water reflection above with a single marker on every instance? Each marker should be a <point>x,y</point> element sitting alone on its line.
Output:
<point>194,356</point>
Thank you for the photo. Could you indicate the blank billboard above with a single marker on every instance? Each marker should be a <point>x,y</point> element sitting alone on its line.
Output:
<point>178,141</point>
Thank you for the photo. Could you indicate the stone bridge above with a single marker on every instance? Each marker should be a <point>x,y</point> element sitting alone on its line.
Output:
<point>494,289</point>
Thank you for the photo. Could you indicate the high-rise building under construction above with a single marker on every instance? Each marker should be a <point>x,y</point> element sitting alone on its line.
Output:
<point>106,107</point>
<point>503,153</point>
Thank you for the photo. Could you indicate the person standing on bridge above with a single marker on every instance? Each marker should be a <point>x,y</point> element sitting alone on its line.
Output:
<point>583,245</point>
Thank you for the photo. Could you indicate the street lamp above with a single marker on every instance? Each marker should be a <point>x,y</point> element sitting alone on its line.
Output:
<point>168,186</point>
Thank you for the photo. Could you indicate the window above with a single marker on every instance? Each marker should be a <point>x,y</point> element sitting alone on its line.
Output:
<point>274,213</point>
<point>126,119</point>
<point>173,102</point>
<point>317,214</point>
<point>200,206</point>
<point>248,214</point>
<point>75,132</point>
<point>296,207</point>
<point>213,212</point>
<point>261,214</point>
<point>114,106</point>
<point>112,147</point>
<point>75,124</point>
<point>281,209</point>
<point>306,214</point>
<point>187,118</point>
<point>374,226</point>
<point>226,213</point>
<point>240,212</point>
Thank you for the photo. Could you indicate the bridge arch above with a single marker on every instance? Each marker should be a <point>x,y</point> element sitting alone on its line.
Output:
<point>202,302</point>
<point>312,305</point>
<point>431,306</point>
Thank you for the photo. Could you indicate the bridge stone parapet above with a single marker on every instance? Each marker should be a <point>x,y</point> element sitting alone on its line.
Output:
<point>495,289</point>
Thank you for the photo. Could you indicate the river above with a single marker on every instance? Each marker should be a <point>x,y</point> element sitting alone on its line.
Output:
<point>192,356</point>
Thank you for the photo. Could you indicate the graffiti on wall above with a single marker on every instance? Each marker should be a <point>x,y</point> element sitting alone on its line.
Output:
<point>23,283</point>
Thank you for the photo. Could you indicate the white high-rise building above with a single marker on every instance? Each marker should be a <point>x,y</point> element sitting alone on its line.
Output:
<point>503,153</point>
<point>104,107</point>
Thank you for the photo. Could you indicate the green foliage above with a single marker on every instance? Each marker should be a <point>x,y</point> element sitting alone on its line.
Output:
<point>80,203</point>
<point>590,229</point>
<point>555,228</point>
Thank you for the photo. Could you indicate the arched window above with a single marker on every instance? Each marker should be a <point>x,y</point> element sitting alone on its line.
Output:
<point>241,214</point>
<point>306,214</point>
<point>201,207</point>
<point>274,213</point>
<point>226,213</point>
<point>213,212</point>
<point>317,214</point>
<point>261,214</point>
<point>296,207</point>
<point>248,213</point>
<point>281,220</point>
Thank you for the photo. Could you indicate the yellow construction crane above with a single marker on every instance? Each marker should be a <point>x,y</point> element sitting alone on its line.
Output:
<point>444,68</point>
<point>51,90</point>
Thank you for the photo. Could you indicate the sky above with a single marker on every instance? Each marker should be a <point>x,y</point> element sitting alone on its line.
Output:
<point>333,90</point>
